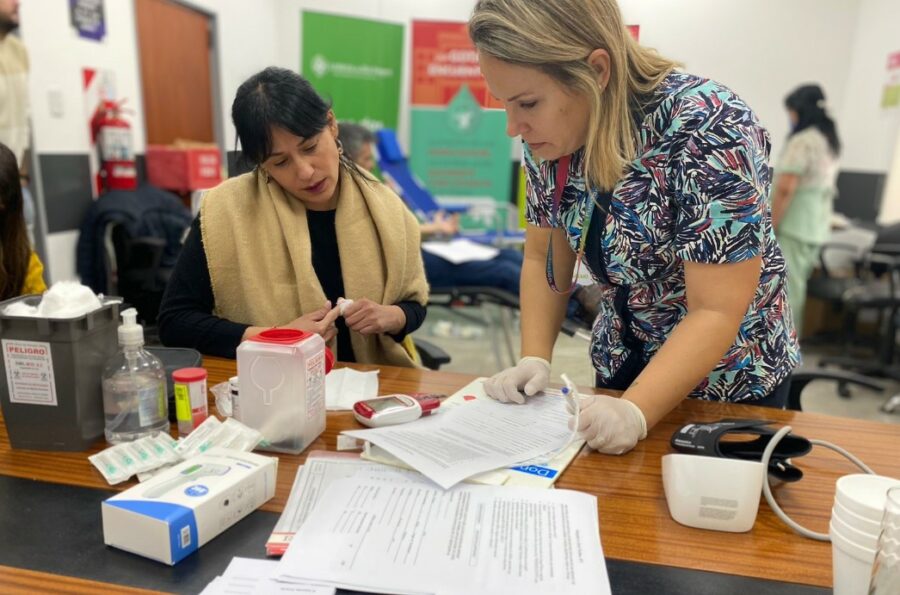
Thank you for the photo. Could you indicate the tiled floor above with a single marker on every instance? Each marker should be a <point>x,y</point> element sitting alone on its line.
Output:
<point>470,341</point>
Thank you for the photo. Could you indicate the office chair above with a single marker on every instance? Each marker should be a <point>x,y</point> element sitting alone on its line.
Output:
<point>801,378</point>
<point>134,270</point>
<point>874,286</point>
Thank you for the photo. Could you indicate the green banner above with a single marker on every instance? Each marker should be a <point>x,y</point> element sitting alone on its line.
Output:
<point>357,64</point>
<point>462,155</point>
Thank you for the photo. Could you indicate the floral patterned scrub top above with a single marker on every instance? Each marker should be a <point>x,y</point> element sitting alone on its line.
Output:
<point>697,192</point>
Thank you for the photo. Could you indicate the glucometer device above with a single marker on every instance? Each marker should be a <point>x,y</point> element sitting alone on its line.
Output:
<point>394,409</point>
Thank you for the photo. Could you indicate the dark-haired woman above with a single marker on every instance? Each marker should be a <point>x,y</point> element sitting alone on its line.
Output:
<point>280,245</point>
<point>21,271</point>
<point>804,190</point>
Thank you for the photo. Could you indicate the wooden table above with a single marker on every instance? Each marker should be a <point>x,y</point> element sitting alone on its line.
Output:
<point>634,520</point>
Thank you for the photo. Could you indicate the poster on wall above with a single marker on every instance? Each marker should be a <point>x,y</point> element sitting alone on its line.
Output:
<point>86,17</point>
<point>356,63</point>
<point>890,97</point>
<point>460,149</point>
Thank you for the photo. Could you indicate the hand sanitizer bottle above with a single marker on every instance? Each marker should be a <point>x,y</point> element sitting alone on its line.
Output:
<point>134,387</point>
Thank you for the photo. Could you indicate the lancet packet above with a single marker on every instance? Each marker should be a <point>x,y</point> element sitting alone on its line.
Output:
<point>146,456</point>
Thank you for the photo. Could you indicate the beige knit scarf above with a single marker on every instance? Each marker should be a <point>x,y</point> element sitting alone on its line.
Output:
<point>258,252</point>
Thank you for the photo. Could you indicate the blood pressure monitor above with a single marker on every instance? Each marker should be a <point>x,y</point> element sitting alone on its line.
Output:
<point>394,409</point>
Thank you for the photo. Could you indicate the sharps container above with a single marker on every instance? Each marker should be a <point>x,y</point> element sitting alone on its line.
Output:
<point>281,376</point>
<point>52,367</point>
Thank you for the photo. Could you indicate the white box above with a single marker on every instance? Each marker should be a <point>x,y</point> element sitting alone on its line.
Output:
<point>171,515</point>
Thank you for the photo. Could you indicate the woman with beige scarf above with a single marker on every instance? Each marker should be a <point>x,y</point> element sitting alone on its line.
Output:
<point>279,246</point>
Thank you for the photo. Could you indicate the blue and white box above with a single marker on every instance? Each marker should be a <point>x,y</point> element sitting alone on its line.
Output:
<point>171,515</point>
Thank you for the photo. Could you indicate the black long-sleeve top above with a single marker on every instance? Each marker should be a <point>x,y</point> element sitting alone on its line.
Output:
<point>185,314</point>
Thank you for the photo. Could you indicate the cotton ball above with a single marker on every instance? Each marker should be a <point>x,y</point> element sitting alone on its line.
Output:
<point>20,309</point>
<point>68,299</point>
<point>343,303</point>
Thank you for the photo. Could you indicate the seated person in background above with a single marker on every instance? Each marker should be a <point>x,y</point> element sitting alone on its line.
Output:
<point>501,272</point>
<point>280,245</point>
<point>21,271</point>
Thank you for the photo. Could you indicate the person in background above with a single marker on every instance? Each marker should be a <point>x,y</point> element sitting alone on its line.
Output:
<point>14,99</point>
<point>659,181</point>
<point>501,272</point>
<point>21,271</point>
<point>278,246</point>
<point>804,189</point>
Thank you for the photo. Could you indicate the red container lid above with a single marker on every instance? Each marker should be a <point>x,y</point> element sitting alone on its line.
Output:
<point>289,336</point>
<point>189,374</point>
<point>280,336</point>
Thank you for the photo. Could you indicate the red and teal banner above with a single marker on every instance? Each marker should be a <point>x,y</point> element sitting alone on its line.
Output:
<point>459,145</point>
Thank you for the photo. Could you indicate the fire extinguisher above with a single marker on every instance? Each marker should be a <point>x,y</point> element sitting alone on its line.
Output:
<point>111,133</point>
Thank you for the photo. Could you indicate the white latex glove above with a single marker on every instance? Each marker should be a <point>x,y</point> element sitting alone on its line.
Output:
<point>531,374</point>
<point>611,425</point>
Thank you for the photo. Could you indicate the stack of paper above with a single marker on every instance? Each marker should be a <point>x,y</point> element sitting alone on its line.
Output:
<point>472,434</point>
<point>398,533</point>
<point>246,576</point>
<point>312,480</point>
<point>460,250</point>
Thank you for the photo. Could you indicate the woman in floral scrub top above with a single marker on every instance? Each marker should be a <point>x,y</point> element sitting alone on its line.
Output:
<point>660,180</point>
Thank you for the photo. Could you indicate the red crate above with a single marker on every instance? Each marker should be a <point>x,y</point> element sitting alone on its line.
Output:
<point>183,169</point>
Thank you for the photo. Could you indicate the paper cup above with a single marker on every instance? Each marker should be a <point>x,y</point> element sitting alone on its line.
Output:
<point>851,564</point>
<point>861,538</point>
<point>864,494</point>
<point>860,523</point>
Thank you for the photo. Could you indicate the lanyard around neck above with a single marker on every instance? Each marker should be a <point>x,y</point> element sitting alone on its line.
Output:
<point>562,174</point>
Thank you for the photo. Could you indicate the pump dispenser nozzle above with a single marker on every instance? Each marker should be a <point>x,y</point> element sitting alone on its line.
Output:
<point>131,334</point>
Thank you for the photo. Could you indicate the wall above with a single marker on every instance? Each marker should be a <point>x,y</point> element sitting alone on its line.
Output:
<point>701,33</point>
<point>245,41</point>
<point>869,132</point>
<point>61,141</point>
<point>762,49</point>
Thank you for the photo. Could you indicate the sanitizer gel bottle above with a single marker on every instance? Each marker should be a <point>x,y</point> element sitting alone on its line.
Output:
<point>134,387</point>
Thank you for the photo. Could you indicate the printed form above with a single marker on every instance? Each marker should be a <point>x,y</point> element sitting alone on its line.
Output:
<point>312,480</point>
<point>396,534</point>
<point>248,576</point>
<point>481,436</point>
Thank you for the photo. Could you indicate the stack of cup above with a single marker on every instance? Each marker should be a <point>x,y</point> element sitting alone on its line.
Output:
<point>886,572</point>
<point>859,502</point>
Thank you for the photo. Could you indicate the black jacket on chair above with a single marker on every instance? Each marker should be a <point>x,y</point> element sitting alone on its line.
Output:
<point>145,212</point>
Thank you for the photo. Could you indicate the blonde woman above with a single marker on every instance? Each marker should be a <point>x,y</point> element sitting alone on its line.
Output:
<point>655,180</point>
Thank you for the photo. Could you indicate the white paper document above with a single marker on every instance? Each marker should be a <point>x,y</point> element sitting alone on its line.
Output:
<point>539,472</point>
<point>312,480</point>
<point>344,387</point>
<point>460,250</point>
<point>401,535</point>
<point>480,436</point>
<point>248,576</point>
